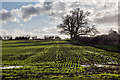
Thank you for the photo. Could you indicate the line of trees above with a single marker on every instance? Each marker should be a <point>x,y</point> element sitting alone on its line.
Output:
<point>113,39</point>
<point>51,37</point>
<point>7,37</point>
<point>27,37</point>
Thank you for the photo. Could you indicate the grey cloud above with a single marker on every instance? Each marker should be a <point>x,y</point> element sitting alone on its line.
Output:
<point>7,16</point>
<point>52,9</point>
<point>28,12</point>
<point>25,13</point>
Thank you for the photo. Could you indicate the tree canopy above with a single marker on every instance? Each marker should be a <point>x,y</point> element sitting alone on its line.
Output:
<point>76,24</point>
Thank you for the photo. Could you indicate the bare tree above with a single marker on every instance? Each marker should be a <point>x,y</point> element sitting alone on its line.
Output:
<point>76,24</point>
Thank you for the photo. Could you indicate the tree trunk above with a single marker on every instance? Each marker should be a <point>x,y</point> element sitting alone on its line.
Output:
<point>70,36</point>
<point>75,36</point>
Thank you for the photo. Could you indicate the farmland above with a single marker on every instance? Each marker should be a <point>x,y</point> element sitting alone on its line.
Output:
<point>57,59</point>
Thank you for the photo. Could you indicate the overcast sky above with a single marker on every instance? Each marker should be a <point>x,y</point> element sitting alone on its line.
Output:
<point>42,18</point>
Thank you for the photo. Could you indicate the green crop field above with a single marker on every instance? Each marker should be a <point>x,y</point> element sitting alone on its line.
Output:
<point>57,60</point>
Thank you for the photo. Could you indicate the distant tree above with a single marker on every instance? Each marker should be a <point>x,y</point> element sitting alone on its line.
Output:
<point>34,37</point>
<point>4,38</point>
<point>57,37</point>
<point>51,37</point>
<point>16,38</point>
<point>26,37</point>
<point>10,38</point>
<point>76,24</point>
<point>7,37</point>
<point>111,31</point>
<point>46,37</point>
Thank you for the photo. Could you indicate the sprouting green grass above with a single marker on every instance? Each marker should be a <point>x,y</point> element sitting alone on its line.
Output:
<point>54,59</point>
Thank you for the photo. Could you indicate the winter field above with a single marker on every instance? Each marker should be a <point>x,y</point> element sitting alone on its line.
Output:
<point>57,60</point>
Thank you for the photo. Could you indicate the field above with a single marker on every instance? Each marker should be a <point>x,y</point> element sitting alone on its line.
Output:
<point>58,60</point>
